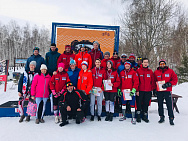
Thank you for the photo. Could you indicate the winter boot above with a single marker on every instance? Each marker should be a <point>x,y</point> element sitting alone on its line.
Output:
<point>56,119</point>
<point>27,118</point>
<point>99,118</point>
<point>111,116</point>
<point>138,119</point>
<point>162,119</point>
<point>123,112</point>
<point>133,121</point>
<point>63,123</point>
<point>92,118</point>
<point>107,116</point>
<point>22,118</point>
<point>144,118</point>
<point>171,120</point>
<point>37,121</point>
<point>42,120</point>
<point>60,118</point>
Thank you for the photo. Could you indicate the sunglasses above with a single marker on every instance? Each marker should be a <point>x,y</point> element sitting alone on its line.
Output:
<point>162,63</point>
<point>115,53</point>
<point>36,48</point>
<point>69,84</point>
<point>139,58</point>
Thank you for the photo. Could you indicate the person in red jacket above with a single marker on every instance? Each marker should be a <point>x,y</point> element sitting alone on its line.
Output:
<point>85,82</point>
<point>146,86</point>
<point>66,57</point>
<point>167,78</point>
<point>83,56</point>
<point>109,95</point>
<point>129,85</point>
<point>95,53</point>
<point>116,59</point>
<point>106,58</point>
<point>58,86</point>
<point>99,74</point>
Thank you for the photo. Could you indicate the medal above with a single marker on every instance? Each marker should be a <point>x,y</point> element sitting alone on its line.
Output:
<point>97,77</point>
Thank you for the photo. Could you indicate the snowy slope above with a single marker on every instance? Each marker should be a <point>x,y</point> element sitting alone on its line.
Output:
<point>12,130</point>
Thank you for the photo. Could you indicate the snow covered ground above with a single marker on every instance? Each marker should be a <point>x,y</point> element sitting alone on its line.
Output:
<point>12,130</point>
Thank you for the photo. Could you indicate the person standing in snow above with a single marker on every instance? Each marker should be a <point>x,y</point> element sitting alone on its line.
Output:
<point>72,103</point>
<point>57,86</point>
<point>144,93</point>
<point>51,59</point>
<point>35,57</point>
<point>66,57</point>
<point>109,95</point>
<point>165,75</point>
<point>24,89</point>
<point>129,82</point>
<point>40,91</point>
<point>99,74</point>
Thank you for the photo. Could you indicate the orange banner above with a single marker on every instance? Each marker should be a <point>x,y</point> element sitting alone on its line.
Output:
<point>67,35</point>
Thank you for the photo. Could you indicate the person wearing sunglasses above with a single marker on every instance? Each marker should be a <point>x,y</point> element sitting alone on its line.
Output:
<point>139,61</point>
<point>35,57</point>
<point>120,66</point>
<point>72,103</point>
<point>116,59</point>
<point>134,65</point>
<point>167,78</point>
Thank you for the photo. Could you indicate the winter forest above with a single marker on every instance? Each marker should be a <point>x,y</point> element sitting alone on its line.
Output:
<point>155,29</point>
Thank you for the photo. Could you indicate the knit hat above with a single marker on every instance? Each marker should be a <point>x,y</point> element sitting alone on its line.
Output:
<point>53,44</point>
<point>127,63</point>
<point>72,62</point>
<point>33,63</point>
<point>110,62</point>
<point>36,48</point>
<point>95,42</point>
<point>162,60</point>
<point>107,53</point>
<point>67,46</point>
<point>124,55</point>
<point>84,63</point>
<point>61,65</point>
<point>69,84</point>
<point>132,56</point>
<point>43,66</point>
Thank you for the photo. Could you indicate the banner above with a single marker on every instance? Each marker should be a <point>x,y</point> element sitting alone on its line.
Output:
<point>75,37</point>
<point>20,61</point>
<point>4,71</point>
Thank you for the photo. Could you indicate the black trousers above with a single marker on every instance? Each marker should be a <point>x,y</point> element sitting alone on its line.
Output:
<point>168,98</point>
<point>143,100</point>
<point>109,96</point>
<point>40,110</point>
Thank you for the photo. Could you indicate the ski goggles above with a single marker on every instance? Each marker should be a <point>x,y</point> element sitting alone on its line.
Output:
<point>69,84</point>
<point>139,58</point>
<point>115,53</point>
<point>36,48</point>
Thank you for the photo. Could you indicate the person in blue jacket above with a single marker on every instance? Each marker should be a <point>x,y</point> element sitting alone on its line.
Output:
<point>121,65</point>
<point>134,65</point>
<point>35,57</point>
<point>51,58</point>
<point>73,72</point>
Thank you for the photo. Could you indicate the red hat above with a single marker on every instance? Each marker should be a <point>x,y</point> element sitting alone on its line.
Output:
<point>61,65</point>
<point>132,56</point>
<point>84,63</point>
<point>67,46</point>
<point>127,63</point>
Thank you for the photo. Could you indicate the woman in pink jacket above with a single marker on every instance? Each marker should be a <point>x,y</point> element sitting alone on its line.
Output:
<point>40,91</point>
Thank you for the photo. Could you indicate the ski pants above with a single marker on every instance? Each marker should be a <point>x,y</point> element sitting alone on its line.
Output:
<point>99,104</point>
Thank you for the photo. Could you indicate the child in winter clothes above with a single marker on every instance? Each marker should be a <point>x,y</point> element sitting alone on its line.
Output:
<point>24,89</point>
<point>58,86</point>
<point>40,91</point>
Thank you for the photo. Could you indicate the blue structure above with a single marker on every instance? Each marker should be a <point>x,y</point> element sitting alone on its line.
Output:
<point>87,26</point>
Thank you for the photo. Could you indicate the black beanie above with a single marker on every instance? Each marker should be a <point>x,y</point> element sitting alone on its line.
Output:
<point>53,44</point>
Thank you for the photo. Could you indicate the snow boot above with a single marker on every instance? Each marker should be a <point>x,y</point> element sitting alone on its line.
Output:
<point>111,117</point>
<point>22,118</point>
<point>123,118</point>
<point>99,118</point>
<point>60,118</point>
<point>123,112</point>
<point>162,119</point>
<point>133,121</point>
<point>37,121</point>
<point>27,118</point>
<point>56,119</point>
<point>144,118</point>
<point>138,119</point>
<point>42,120</point>
<point>171,120</point>
<point>92,118</point>
<point>63,123</point>
<point>107,116</point>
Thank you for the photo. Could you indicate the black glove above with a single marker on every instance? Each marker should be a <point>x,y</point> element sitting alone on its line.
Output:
<point>166,85</point>
<point>154,93</point>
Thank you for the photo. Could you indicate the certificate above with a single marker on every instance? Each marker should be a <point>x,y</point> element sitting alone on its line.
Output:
<point>126,94</point>
<point>159,85</point>
<point>106,83</point>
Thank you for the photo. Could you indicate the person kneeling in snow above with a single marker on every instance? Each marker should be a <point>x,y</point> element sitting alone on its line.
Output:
<point>72,103</point>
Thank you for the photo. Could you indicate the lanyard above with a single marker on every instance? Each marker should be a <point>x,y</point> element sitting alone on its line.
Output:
<point>109,74</point>
<point>97,73</point>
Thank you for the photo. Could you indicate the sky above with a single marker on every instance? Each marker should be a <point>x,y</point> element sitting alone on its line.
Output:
<point>44,12</point>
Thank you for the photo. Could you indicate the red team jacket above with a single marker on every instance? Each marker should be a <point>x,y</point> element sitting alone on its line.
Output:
<point>129,79</point>
<point>166,74</point>
<point>95,54</point>
<point>65,58</point>
<point>98,76</point>
<point>58,81</point>
<point>104,61</point>
<point>83,56</point>
<point>116,62</point>
<point>85,81</point>
<point>114,80</point>
<point>146,77</point>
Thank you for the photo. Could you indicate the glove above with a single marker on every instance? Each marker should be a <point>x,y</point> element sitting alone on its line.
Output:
<point>53,92</point>
<point>133,92</point>
<point>119,93</point>
<point>154,93</point>
<point>166,85</point>
<point>61,91</point>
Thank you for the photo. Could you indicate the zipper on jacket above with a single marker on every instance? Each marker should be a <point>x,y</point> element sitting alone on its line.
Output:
<point>44,87</point>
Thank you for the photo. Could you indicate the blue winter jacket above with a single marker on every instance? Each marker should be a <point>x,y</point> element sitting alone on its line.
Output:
<point>73,75</point>
<point>51,60</point>
<point>39,60</point>
<point>121,67</point>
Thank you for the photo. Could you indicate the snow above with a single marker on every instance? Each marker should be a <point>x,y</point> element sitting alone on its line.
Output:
<point>11,129</point>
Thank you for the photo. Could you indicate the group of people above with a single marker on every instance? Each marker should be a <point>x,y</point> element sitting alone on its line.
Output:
<point>76,80</point>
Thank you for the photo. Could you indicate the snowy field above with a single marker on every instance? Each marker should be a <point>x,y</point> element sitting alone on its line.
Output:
<point>12,130</point>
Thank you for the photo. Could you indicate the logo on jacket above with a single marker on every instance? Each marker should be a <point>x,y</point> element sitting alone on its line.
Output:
<point>148,75</point>
<point>167,75</point>
<point>85,78</point>
<point>64,78</point>
<point>79,59</point>
<point>129,76</point>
